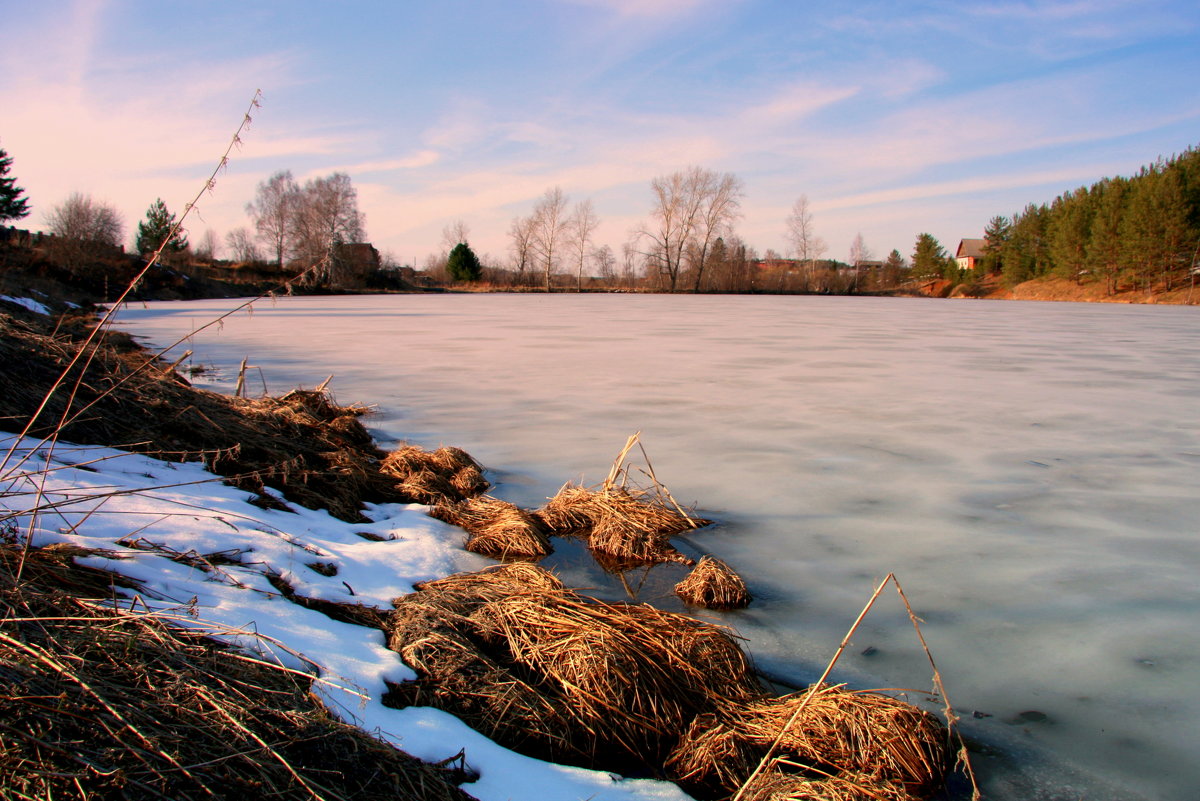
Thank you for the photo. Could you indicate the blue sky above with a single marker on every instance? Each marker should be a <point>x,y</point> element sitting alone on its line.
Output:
<point>893,118</point>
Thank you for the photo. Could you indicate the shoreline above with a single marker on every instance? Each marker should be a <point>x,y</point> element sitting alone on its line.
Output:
<point>168,394</point>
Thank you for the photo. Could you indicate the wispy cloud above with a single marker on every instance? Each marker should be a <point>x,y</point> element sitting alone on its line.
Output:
<point>634,9</point>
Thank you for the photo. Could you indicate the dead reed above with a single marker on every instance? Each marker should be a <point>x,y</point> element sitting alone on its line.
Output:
<point>712,584</point>
<point>431,477</point>
<point>99,702</point>
<point>615,683</point>
<point>496,528</point>
<point>630,526</point>
<point>825,731</point>
<point>313,450</point>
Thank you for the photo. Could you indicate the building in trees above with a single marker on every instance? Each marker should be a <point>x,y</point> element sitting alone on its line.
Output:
<point>159,230</point>
<point>969,253</point>
<point>13,203</point>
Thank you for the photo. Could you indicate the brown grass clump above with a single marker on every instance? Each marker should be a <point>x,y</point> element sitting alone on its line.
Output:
<point>621,680</point>
<point>876,739</point>
<point>431,477</point>
<point>98,702</point>
<point>712,584</point>
<point>777,785</point>
<point>631,527</point>
<point>496,528</point>
<point>303,444</point>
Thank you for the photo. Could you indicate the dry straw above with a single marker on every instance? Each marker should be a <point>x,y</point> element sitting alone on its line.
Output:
<point>98,701</point>
<point>431,477</point>
<point>625,525</point>
<point>496,528</point>
<point>712,584</point>
<point>615,683</point>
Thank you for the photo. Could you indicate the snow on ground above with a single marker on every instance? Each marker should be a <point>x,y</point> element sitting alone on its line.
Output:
<point>28,303</point>
<point>145,511</point>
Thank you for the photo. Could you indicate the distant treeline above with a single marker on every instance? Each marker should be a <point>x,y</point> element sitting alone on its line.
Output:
<point>1140,232</point>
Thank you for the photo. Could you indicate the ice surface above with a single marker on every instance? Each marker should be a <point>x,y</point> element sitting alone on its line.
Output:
<point>1028,471</point>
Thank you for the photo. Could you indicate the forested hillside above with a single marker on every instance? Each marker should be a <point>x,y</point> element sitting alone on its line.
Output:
<point>1140,232</point>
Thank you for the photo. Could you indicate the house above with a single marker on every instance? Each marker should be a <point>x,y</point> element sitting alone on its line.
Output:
<point>969,252</point>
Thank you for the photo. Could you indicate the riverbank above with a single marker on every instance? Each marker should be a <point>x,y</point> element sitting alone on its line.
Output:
<point>288,458</point>
<point>1056,290</point>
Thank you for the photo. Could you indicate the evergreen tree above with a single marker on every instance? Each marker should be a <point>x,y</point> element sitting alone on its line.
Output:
<point>153,232</point>
<point>12,205</point>
<point>1104,243</point>
<point>1024,255</point>
<point>929,258</point>
<point>462,264</point>
<point>895,261</point>
<point>1070,230</point>
<point>995,236</point>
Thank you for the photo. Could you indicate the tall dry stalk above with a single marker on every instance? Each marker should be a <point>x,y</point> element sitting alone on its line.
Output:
<point>87,351</point>
<point>819,684</point>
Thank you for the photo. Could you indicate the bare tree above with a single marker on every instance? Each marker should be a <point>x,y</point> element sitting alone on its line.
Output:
<point>859,254</point>
<point>692,208</point>
<point>241,244</point>
<point>86,220</point>
<point>327,216</point>
<point>549,223</point>
<point>580,225</point>
<point>84,229</point>
<point>721,201</point>
<point>673,222</point>
<point>806,245</point>
<point>606,263</point>
<point>521,233</point>
<point>629,257</point>
<point>455,234</point>
<point>209,245</point>
<point>274,210</point>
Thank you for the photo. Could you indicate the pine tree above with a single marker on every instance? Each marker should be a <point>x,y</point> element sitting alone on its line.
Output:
<point>1104,244</point>
<point>929,258</point>
<point>12,205</point>
<point>153,232</point>
<point>462,264</point>
<point>995,236</point>
<point>1024,255</point>
<point>1070,229</point>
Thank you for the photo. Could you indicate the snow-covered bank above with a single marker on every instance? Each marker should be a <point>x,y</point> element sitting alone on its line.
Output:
<point>202,553</point>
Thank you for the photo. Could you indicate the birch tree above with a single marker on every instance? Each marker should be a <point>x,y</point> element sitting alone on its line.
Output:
<point>691,209</point>
<point>801,234</point>
<point>549,226</point>
<point>580,225</point>
<point>521,246</point>
<point>273,212</point>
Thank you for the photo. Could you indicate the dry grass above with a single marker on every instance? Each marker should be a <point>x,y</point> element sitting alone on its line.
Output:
<point>712,584</point>
<point>432,477</point>
<point>629,526</point>
<point>496,528</point>
<point>876,739</point>
<point>96,702</point>
<point>779,785</point>
<point>581,680</point>
<point>303,444</point>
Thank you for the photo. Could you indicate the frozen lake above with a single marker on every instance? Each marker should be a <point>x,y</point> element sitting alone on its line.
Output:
<point>1030,473</point>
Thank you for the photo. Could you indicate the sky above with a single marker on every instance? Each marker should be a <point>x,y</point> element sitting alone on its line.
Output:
<point>892,118</point>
